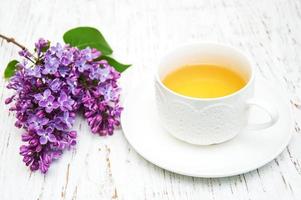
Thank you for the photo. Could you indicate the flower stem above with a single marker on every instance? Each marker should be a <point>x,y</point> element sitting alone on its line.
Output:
<point>12,40</point>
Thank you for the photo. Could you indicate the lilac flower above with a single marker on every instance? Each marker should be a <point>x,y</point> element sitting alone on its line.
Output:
<point>56,50</point>
<point>90,54</point>
<point>47,101</point>
<point>35,122</point>
<point>51,65</point>
<point>64,121</point>
<point>82,65</point>
<point>72,83</point>
<point>65,102</point>
<point>68,119</point>
<point>49,104</point>
<point>109,92</point>
<point>66,58</point>
<point>46,135</point>
<point>10,99</point>
<point>55,85</point>
<point>40,45</point>
<point>49,94</point>
<point>55,152</point>
<point>68,140</point>
<point>101,74</point>
<point>63,70</point>
<point>36,71</point>
<point>25,53</point>
<point>45,162</point>
<point>44,96</point>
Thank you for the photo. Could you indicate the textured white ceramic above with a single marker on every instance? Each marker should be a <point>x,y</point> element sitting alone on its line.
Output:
<point>248,151</point>
<point>212,120</point>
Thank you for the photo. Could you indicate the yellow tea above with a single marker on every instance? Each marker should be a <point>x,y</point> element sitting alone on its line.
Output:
<point>204,81</point>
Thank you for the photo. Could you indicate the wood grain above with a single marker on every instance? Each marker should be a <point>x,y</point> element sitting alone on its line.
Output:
<point>139,32</point>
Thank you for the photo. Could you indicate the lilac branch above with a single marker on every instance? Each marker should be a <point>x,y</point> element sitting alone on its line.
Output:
<point>12,40</point>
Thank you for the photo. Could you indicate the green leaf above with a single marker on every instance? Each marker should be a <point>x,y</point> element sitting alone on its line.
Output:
<point>10,69</point>
<point>83,37</point>
<point>117,65</point>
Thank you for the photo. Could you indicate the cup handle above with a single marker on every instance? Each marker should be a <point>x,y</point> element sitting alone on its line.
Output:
<point>268,108</point>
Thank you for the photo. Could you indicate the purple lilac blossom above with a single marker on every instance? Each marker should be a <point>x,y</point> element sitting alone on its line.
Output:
<point>65,102</point>
<point>49,94</point>
<point>55,85</point>
<point>41,45</point>
<point>46,135</point>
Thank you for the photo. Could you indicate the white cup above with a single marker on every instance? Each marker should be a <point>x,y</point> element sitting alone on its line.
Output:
<point>206,121</point>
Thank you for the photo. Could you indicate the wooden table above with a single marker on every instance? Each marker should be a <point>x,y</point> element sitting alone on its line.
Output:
<point>139,32</point>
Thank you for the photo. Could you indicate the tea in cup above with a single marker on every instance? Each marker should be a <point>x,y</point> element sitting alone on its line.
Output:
<point>204,92</point>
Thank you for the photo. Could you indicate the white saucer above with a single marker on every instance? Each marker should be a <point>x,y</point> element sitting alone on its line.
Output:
<point>246,152</point>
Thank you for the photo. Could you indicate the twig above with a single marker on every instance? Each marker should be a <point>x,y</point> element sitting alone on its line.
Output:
<point>12,40</point>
